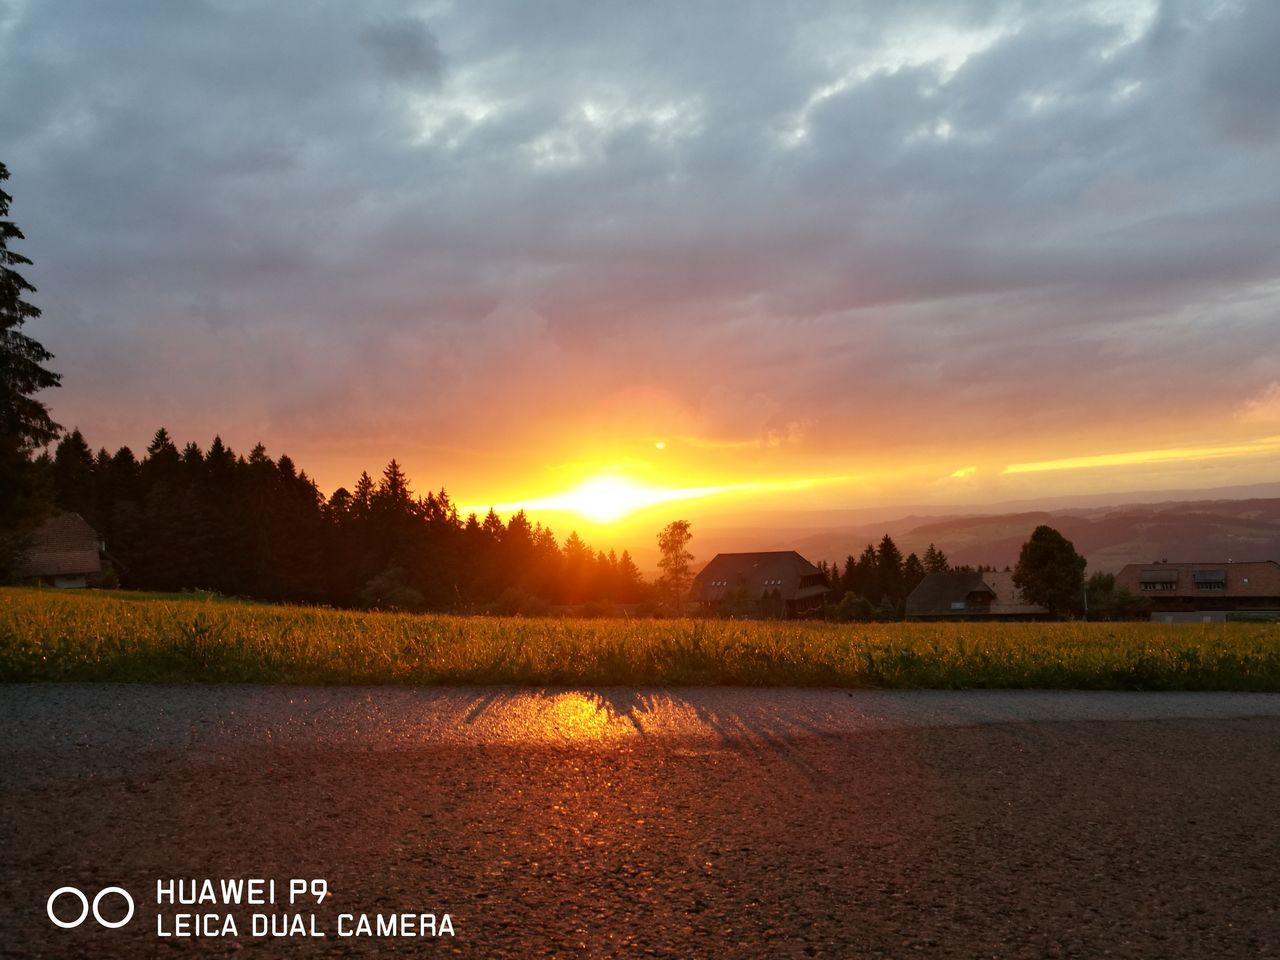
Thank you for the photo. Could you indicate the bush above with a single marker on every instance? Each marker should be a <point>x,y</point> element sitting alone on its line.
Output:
<point>389,591</point>
<point>851,608</point>
<point>514,602</point>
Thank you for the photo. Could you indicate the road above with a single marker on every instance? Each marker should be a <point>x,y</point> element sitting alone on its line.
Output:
<point>668,823</point>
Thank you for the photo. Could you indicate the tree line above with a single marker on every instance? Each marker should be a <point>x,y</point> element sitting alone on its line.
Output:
<point>875,585</point>
<point>254,526</point>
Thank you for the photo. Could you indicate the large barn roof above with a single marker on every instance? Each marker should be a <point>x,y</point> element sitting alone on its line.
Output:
<point>938,595</point>
<point>63,546</point>
<point>785,571</point>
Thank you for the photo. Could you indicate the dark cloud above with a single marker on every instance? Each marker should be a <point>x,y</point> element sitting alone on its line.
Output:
<point>300,220</point>
<point>405,49</point>
<point>1241,79</point>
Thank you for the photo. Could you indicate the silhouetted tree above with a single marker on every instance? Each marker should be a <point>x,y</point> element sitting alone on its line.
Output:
<point>1050,572</point>
<point>912,573</point>
<point>863,577</point>
<point>25,424</point>
<point>935,561</point>
<point>673,547</point>
<point>631,586</point>
<point>72,472</point>
<point>889,568</point>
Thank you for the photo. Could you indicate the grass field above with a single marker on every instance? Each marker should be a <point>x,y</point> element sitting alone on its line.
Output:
<point>50,635</point>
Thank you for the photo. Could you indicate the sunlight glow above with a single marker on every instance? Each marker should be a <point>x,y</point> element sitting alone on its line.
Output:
<point>609,497</point>
<point>1263,445</point>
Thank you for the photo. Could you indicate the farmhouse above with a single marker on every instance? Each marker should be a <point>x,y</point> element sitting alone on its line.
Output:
<point>776,584</point>
<point>964,595</point>
<point>1199,591</point>
<point>64,551</point>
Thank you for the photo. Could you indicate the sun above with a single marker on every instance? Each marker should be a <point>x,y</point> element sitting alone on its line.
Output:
<point>606,499</point>
<point>609,497</point>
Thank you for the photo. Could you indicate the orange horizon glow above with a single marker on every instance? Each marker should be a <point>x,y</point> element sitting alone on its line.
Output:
<point>1140,457</point>
<point>609,497</point>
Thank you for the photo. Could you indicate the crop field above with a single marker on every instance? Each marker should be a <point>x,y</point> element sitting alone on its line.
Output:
<point>48,635</point>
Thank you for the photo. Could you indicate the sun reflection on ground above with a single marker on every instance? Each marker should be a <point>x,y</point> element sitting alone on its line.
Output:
<point>581,716</point>
<point>577,716</point>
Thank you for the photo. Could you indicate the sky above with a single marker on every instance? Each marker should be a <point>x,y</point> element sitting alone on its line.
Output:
<point>662,256</point>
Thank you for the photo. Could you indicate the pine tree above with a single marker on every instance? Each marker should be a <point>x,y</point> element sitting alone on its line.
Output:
<point>865,581</point>
<point>73,469</point>
<point>935,561</point>
<point>889,568</point>
<point>631,583</point>
<point>912,573</point>
<point>25,424</point>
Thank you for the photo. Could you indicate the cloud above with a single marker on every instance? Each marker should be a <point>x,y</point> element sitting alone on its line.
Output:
<point>1264,407</point>
<point>405,49</point>
<point>854,234</point>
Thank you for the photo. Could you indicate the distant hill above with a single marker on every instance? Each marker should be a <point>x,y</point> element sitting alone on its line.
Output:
<point>1109,536</point>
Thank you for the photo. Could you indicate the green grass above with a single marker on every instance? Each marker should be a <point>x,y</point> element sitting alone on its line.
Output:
<point>98,636</point>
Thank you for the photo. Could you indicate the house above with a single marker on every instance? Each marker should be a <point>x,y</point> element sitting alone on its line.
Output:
<point>1199,588</point>
<point>64,551</point>
<point>965,595</point>
<point>777,584</point>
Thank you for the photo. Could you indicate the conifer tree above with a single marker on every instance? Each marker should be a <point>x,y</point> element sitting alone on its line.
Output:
<point>73,478</point>
<point>889,568</point>
<point>25,424</point>
<point>912,573</point>
<point>935,561</point>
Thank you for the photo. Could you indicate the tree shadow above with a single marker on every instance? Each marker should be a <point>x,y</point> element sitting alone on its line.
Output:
<point>704,719</point>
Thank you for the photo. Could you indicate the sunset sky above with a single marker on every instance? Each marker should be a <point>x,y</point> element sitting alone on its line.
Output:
<point>667,256</point>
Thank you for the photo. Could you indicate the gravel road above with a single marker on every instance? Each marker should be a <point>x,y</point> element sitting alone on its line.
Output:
<point>671,823</point>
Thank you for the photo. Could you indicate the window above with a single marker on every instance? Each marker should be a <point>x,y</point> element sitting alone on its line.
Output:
<point>1210,579</point>
<point>1159,585</point>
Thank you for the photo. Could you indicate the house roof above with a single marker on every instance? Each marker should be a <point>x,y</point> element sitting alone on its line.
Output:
<point>938,593</point>
<point>791,575</point>
<point>1008,600</point>
<point>1251,579</point>
<point>63,546</point>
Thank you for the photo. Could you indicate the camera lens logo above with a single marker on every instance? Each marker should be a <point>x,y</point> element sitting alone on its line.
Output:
<point>85,908</point>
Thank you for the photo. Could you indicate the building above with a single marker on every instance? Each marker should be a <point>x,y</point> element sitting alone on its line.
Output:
<point>776,584</point>
<point>1199,588</point>
<point>964,595</point>
<point>64,551</point>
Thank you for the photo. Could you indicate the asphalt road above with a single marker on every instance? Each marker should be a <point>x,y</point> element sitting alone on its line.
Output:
<point>674,823</point>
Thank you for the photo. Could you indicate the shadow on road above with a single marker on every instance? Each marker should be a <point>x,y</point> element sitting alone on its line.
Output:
<point>611,714</point>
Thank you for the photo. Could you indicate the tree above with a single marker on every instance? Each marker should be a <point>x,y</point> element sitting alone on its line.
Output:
<point>1050,572</point>
<point>1108,603</point>
<point>630,582</point>
<point>673,544</point>
<point>913,572</point>
<point>863,576</point>
<point>73,480</point>
<point>889,568</point>
<point>25,424</point>
<point>935,561</point>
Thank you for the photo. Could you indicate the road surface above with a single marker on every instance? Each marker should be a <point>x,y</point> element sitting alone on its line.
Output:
<point>667,823</point>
